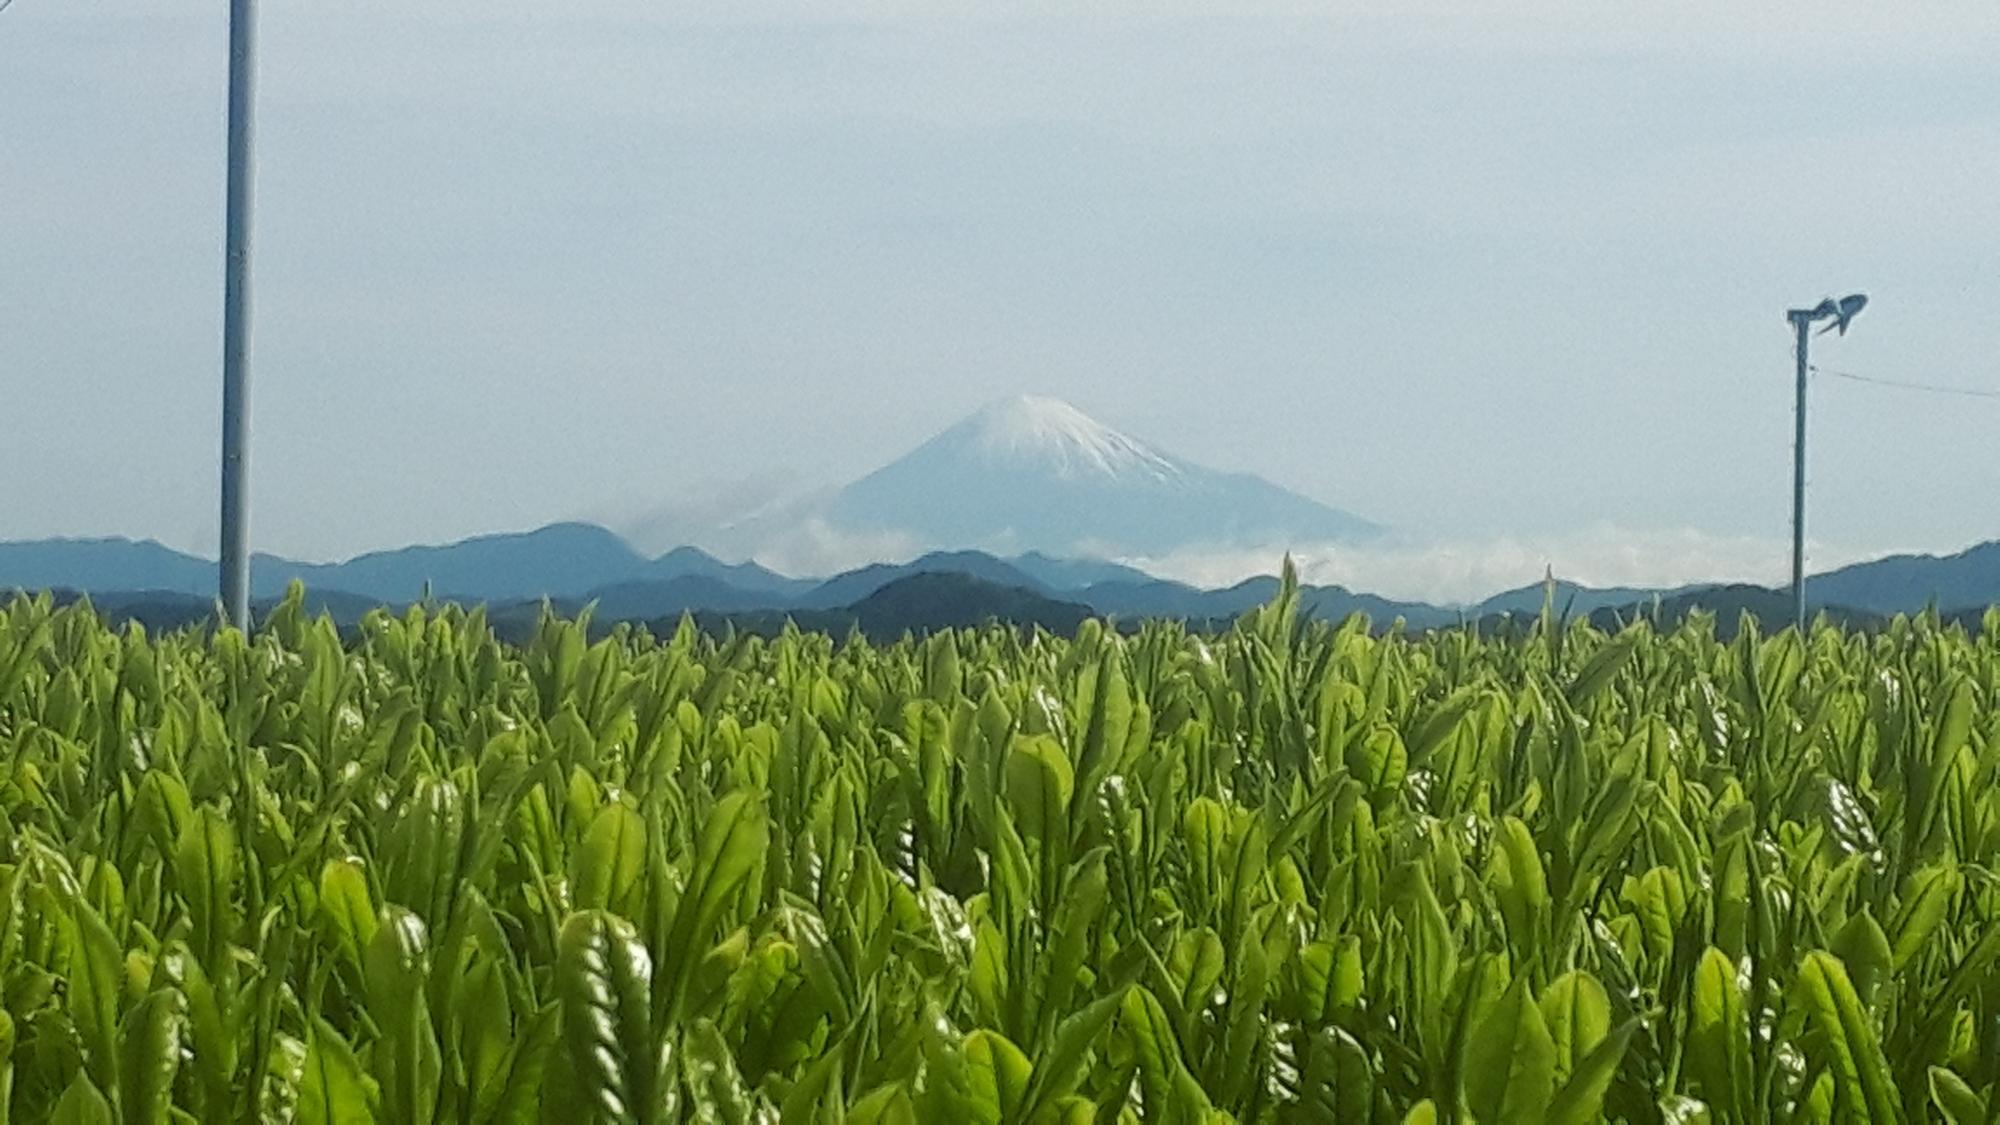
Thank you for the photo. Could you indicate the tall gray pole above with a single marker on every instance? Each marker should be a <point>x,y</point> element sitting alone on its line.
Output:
<point>1801,322</point>
<point>235,564</point>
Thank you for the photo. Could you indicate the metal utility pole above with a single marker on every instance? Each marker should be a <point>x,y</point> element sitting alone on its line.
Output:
<point>235,562</point>
<point>1841,312</point>
<point>1802,323</point>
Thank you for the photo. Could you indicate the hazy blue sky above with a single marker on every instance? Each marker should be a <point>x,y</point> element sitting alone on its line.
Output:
<point>1491,273</point>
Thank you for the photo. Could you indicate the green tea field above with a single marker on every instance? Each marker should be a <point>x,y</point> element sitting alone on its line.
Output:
<point>1286,872</point>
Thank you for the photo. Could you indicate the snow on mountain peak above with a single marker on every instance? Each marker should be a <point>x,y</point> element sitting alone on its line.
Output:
<point>1051,433</point>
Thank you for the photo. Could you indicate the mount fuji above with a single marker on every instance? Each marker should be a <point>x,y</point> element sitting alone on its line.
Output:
<point>1037,474</point>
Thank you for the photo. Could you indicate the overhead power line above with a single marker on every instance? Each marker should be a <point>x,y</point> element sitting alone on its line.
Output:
<point>1904,385</point>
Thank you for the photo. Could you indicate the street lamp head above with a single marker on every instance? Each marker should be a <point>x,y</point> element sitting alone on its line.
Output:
<point>1841,312</point>
<point>1844,311</point>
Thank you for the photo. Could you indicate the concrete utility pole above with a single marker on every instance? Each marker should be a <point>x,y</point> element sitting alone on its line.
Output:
<point>1841,312</point>
<point>235,563</point>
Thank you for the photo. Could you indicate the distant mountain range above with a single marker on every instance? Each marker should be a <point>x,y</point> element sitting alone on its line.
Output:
<point>575,564</point>
<point>561,560</point>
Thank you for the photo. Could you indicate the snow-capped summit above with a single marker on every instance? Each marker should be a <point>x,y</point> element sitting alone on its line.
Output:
<point>1033,473</point>
<point>1036,431</point>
